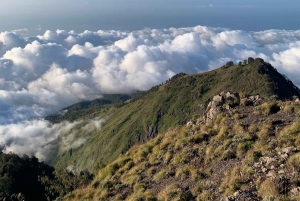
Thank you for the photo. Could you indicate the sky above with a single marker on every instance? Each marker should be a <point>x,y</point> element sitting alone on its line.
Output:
<point>56,53</point>
<point>255,15</point>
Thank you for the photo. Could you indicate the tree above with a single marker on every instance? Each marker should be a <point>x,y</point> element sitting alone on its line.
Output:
<point>229,63</point>
<point>250,60</point>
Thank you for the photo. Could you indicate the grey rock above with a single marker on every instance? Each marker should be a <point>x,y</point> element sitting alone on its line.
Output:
<point>218,99</point>
<point>228,107</point>
<point>242,195</point>
<point>295,191</point>
<point>284,156</point>
<point>289,150</point>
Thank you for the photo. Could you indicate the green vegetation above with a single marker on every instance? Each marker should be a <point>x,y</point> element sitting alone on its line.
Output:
<point>209,161</point>
<point>87,108</point>
<point>180,99</point>
<point>35,180</point>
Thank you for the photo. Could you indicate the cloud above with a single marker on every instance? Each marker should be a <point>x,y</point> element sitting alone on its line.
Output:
<point>43,139</point>
<point>9,40</point>
<point>20,30</point>
<point>42,74</point>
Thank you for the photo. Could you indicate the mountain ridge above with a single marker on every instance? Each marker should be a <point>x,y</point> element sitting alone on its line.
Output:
<point>173,103</point>
<point>249,151</point>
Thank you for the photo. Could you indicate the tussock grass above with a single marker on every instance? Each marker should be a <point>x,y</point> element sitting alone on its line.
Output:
<point>180,157</point>
<point>162,174</point>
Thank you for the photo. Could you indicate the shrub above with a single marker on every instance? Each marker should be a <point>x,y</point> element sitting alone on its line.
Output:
<point>170,192</point>
<point>265,132</point>
<point>294,161</point>
<point>228,154</point>
<point>243,147</point>
<point>267,108</point>
<point>267,189</point>
<point>130,179</point>
<point>163,174</point>
<point>151,171</point>
<point>206,195</point>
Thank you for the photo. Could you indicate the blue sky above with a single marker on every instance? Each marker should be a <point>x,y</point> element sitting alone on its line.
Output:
<point>137,14</point>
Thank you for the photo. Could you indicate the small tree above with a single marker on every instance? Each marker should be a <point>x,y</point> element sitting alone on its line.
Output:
<point>250,60</point>
<point>229,63</point>
<point>245,62</point>
<point>240,64</point>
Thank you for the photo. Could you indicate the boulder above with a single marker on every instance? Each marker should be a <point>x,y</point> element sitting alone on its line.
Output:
<point>214,107</point>
<point>231,96</point>
<point>218,99</point>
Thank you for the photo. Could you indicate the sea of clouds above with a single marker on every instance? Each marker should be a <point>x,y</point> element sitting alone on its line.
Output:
<point>42,74</point>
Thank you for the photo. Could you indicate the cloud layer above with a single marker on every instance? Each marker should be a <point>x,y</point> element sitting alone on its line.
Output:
<point>43,139</point>
<point>42,74</point>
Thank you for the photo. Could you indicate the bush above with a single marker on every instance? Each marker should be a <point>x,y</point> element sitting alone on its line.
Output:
<point>267,109</point>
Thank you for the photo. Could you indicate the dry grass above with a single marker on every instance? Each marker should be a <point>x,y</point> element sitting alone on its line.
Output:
<point>267,189</point>
<point>188,155</point>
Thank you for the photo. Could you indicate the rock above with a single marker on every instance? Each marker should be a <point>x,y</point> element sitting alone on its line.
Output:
<point>268,160</point>
<point>295,191</point>
<point>188,124</point>
<point>271,174</point>
<point>297,100</point>
<point>288,150</point>
<point>257,165</point>
<point>218,99</point>
<point>228,107</point>
<point>264,170</point>
<point>209,104</point>
<point>242,195</point>
<point>254,98</point>
<point>284,156</point>
<point>214,107</point>
<point>231,96</point>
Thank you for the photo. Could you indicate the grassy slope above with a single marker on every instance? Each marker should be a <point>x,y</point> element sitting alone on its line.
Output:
<point>208,162</point>
<point>173,103</point>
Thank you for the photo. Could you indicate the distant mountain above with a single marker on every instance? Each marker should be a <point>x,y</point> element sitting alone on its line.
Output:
<point>78,110</point>
<point>180,99</point>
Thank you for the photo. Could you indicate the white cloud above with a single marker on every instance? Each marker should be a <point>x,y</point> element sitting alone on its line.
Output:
<point>43,139</point>
<point>42,74</point>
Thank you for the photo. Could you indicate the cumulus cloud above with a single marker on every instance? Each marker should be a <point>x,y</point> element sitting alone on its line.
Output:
<point>44,73</point>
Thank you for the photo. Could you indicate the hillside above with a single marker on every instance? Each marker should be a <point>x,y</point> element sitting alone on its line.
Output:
<point>180,99</point>
<point>249,151</point>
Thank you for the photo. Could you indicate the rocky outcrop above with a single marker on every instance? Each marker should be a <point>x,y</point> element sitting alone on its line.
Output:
<point>225,100</point>
<point>214,107</point>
